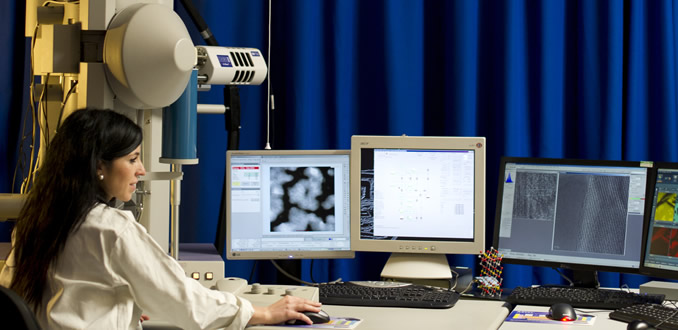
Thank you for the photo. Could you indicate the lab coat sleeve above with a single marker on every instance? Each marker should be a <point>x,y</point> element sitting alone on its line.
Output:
<point>160,287</point>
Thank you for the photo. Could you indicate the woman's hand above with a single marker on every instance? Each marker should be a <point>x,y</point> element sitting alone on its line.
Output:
<point>285,309</point>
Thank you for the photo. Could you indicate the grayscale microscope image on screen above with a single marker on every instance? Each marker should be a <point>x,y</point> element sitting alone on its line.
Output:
<point>302,199</point>
<point>288,204</point>
<point>591,208</point>
<point>572,214</point>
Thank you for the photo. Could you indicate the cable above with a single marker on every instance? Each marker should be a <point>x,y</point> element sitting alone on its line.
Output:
<point>254,266</point>
<point>63,104</point>
<point>468,287</point>
<point>199,22</point>
<point>269,97</point>
<point>625,286</point>
<point>292,277</point>
<point>564,276</point>
<point>296,279</point>
<point>60,2</point>
<point>26,181</point>
<point>666,319</point>
<point>453,286</point>
<point>42,109</point>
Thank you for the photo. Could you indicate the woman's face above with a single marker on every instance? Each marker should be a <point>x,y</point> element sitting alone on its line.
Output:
<point>121,177</point>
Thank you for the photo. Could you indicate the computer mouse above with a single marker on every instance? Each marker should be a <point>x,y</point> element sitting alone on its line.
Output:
<point>638,325</point>
<point>319,317</point>
<point>562,312</point>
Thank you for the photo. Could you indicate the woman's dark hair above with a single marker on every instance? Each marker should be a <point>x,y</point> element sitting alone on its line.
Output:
<point>66,188</point>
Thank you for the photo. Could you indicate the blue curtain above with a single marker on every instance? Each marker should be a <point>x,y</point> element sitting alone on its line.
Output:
<point>558,78</point>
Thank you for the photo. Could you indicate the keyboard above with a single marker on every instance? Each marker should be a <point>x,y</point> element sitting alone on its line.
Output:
<point>386,294</point>
<point>658,316</point>
<point>580,297</point>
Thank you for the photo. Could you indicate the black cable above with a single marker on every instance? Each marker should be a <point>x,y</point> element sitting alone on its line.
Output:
<point>312,280</point>
<point>63,104</point>
<point>232,116</point>
<point>232,123</point>
<point>254,266</point>
<point>199,22</point>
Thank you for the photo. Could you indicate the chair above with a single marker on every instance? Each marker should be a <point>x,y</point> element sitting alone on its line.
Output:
<point>14,312</point>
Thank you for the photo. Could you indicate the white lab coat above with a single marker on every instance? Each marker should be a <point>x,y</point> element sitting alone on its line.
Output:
<point>111,270</point>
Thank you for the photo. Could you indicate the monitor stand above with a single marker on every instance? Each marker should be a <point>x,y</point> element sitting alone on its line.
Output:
<point>580,279</point>
<point>414,266</point>
<point>585,279</point>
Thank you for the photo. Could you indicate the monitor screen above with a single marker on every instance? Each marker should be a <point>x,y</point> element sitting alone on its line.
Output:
<point>288,204</point>
<point>418,195</point>
<point>572,214</point>
<point>661,232</point>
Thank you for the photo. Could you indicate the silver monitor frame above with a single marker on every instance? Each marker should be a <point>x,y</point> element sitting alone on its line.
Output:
<point>423,246</point>
<point>258,255</point>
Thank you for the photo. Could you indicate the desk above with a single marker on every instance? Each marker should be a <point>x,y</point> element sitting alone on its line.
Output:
<point>466,314</point>
<point>602,320</point>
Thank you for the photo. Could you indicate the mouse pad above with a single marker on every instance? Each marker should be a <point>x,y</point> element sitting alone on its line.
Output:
<point>334,323</point>
<point>542,317</point>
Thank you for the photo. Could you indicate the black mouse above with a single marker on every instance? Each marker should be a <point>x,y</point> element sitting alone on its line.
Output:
<point>562,312</point>
<point>638,325</point>
<point>319,317</point>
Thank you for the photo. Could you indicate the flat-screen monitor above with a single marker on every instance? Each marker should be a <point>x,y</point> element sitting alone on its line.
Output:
<point>584,215</point>
<point>288,204</point>
<point>419,198</point>
<point>661,232</point>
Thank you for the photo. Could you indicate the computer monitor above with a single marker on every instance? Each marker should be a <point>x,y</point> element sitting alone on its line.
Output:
<point>583,215</point>
<point>661,231</point>
<point>288,204</point>
<point>419,198</point>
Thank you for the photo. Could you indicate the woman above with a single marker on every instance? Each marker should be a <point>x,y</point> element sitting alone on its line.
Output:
<point>83,264</point>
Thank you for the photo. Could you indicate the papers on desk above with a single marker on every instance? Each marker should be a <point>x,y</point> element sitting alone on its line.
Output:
<point>541,317</point>
<point>334,323</point>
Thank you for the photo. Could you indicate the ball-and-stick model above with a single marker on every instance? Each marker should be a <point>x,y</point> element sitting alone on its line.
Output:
<point>490,279</point>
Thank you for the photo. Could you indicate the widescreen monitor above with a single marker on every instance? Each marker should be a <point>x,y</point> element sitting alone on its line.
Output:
<point>661,232</point>
<point>583,215</point>
<point>288,204</point>
<point>418,198</point>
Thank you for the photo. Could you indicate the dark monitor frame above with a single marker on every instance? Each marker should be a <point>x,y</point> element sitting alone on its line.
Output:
<point>584,274</point>
<point>649,224</point>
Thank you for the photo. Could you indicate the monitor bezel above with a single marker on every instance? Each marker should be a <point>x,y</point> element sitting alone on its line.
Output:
<point>360,142</point>
<point>561,161</point>
<point>649,201</point>
<point>279,255</point>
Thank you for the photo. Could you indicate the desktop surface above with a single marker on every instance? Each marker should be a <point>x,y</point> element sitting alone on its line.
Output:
<point>602,320</point>
<point>466,314</point>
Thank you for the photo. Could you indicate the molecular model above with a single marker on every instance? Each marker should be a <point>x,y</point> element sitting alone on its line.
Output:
<point>490,279</point>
